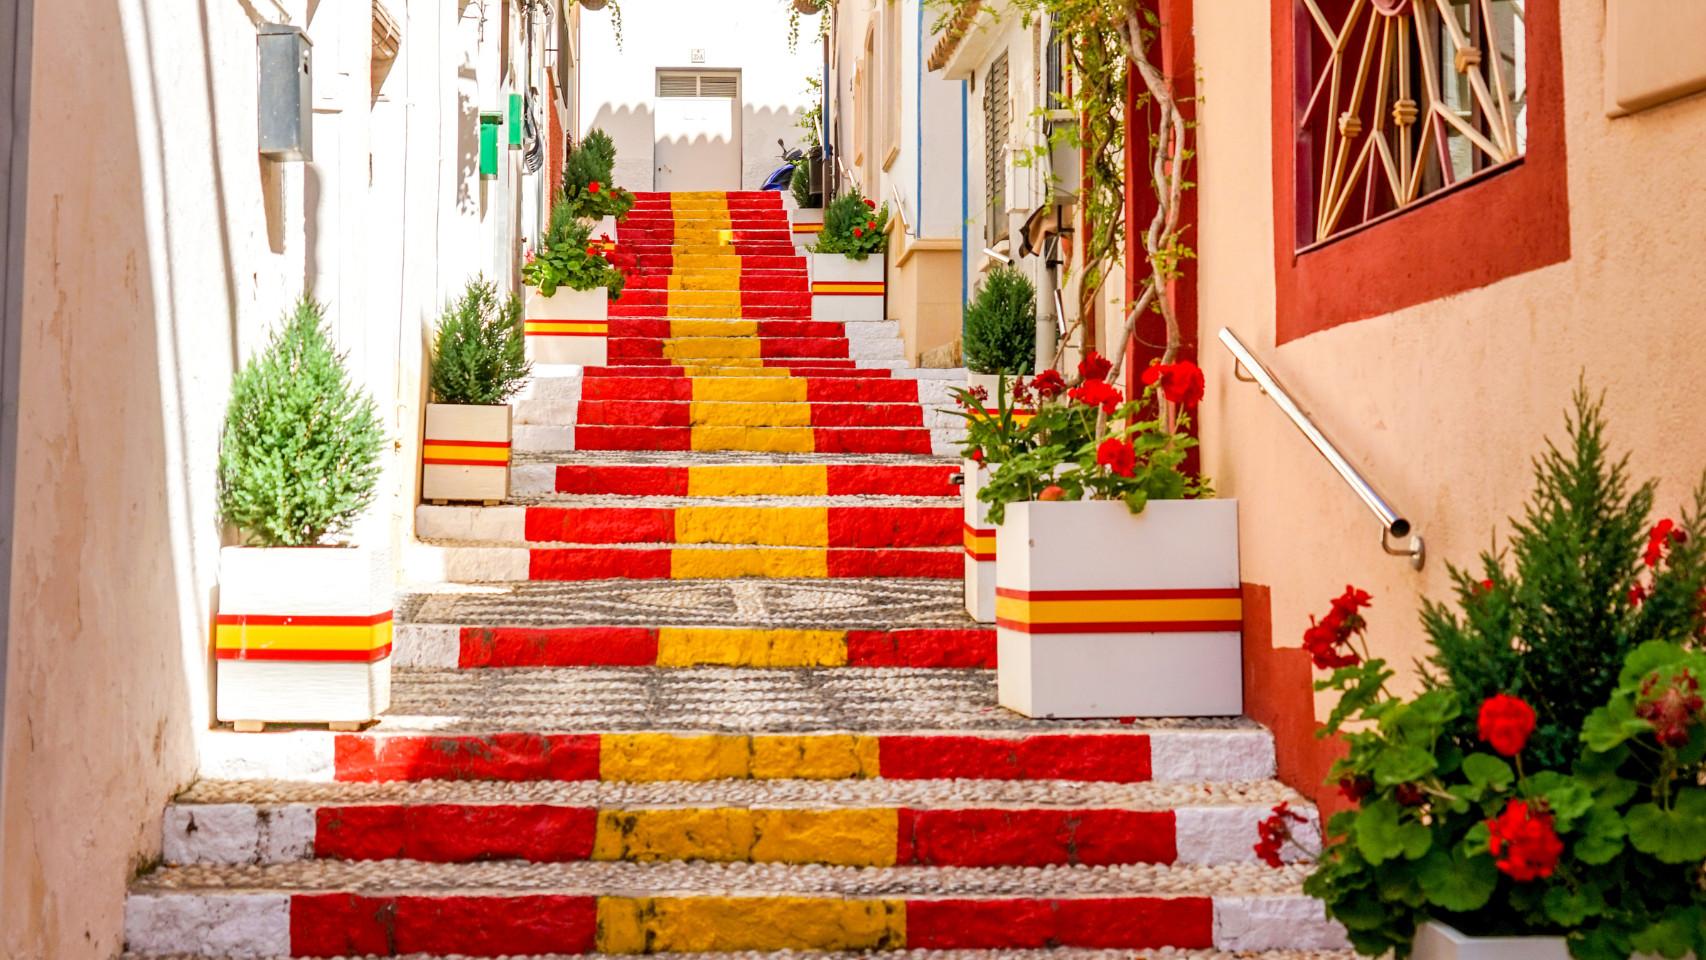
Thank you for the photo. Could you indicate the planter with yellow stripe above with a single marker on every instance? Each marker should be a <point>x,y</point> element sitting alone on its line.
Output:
<point>570,326</point>
<point>1100,613</point>
<point>805,224</point>
<point>303,635</point>
<point>847,290</point>
<point>465,452</point>
<point>979,545</point>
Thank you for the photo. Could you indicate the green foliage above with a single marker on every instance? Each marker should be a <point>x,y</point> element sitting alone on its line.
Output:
<point>854,227</point>
<point>588,186</point>
<point>1598,629</point>
<point>566,257</point>
<point>299,456</point>
<point>812,119</point>
<point>794,22</point>
<point>800,184</point>
<point>479,355</point>
<point>1001,324</point>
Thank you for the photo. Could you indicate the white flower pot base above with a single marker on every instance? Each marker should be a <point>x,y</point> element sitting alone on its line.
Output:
<point>806,223</point>
<point>979,545</point>
<point>570,326</point>
<point>845,290</point>
<point>465,453</point>
<point>1103,614</point>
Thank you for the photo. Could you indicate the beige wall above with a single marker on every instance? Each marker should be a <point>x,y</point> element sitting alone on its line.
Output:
<point>159,251</point>
<point>1444,404</point>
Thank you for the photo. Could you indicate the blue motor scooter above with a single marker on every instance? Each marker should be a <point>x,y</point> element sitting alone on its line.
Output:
<point>784,174</point>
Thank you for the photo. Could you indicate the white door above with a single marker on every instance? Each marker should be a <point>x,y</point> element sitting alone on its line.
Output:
<point>696,129</point>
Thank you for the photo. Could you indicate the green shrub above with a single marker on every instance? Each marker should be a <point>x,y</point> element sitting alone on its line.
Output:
<point>299,458</point>
<point>1001,324</point>
<point>479,355</point>
<point>587,179</point>
<point>566,257</point>
<point>801,184</point>
<point>854,227</point>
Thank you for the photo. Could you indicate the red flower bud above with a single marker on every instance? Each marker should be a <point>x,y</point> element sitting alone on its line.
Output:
<point>1051,493</point>
<point>1409,795</point>
<point>1355,789</point>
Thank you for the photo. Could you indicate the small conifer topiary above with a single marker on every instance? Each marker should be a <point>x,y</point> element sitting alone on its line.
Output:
<point>299,458</point>
<point>1001,324</point>
<point>479,356</point>
<point>801,185</point>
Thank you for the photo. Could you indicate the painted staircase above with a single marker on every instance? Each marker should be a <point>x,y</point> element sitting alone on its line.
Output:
<point>704,687</point>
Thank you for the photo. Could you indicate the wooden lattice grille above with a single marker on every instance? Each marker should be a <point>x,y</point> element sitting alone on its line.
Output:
<point>995,130</point>
<point>1400,99</point>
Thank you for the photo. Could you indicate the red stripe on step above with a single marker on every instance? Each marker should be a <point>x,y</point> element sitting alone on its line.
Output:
<point>593,563</point>
<point>843,391</point>
<point>301,620</point>
<point>624,479</point>
<point>493,926</point>
<point>558,647</point>
<point>632,348</point>
<point>921,648</point>
<point>367,758</point>
<point>589,437</point>
<point>867,414</point>
<point>855,440</point>
<point>1034,838</point>
<point>815,347</point>
<point>600,525</point>
<point>373,655</point>
<point>1132,923</point>
<point>455,833</point>
<point>1124,626</point>
<point>1208,593</point>
<point>653,385</point>
<point>1111,758</point>
<point>894,526</point>
<point>924,480</point>
<point>935,564</point>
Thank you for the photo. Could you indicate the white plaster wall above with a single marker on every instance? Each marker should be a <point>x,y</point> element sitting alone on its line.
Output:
<point>618,85</point>
<point>160,249</point>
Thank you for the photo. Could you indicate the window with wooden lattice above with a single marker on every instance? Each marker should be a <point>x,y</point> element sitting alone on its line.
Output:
<point>1399,100</point>
<point>996,121</point>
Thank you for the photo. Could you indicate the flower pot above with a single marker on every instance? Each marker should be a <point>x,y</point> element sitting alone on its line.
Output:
<point>806,223</point>
<point>1100,613</point>
<point>594,4</point>
<point>1441,941</point>
<point>979,545</point>
<point>570,326</point>
<point>303,635</point>
<point>847,290</point>
<point>465,453</point>
<point>807,7</point>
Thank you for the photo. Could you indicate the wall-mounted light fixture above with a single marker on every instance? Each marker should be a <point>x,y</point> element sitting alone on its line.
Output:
<point>284,92</point>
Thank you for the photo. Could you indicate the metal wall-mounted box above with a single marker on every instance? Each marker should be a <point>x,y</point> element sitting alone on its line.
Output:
<point>512,125</point>
<point>285,87</point>
<point>490,121</point>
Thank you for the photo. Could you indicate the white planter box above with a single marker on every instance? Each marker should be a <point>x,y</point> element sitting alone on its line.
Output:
<point>465,453</point>
<point>979,545</point>
<point>1103,614</point>
<point>806,223</point>
<point>570,326</point>
<point>846,290</point>
<point>303,634</point>
<point>1441,941</point>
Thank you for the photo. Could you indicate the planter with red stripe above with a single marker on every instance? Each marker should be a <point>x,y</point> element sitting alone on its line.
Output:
<point>303,635</point>
<point>1100,613</point>
<point>570,326</point>
<point>847,290</point>
<point>805,224</point>
<point>465,452</point>
<point>979,544</point>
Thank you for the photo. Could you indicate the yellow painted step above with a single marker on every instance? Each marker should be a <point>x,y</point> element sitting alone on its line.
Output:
<point>721,924</point>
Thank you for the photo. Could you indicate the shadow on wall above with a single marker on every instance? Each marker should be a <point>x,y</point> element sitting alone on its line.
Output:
<point>634,129</point>
<point>100,711</point>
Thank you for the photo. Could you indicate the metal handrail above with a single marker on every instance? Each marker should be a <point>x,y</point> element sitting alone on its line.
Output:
<point>847,174</point>
<point>900,210</point>
<point>1392,523</point>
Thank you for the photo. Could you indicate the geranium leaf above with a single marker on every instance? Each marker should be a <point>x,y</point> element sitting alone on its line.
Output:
<point>1677,835</point>
<point>1382,834</point>
<point>1601,836</point>
<point>1673,935</point>
<point>1609,726</point>
<point>1566,797</point>
<point>1456,882</point>
<point>1402,763</point>
<point>1646,658</point>
<point>1568,908</point>
<point>1487,771</point>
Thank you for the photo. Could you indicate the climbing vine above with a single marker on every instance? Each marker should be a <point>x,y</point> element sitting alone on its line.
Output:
<point>813,8</point>
<point>1104,42</point>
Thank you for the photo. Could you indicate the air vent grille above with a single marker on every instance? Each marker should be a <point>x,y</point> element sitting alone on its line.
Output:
<point>677,84</point>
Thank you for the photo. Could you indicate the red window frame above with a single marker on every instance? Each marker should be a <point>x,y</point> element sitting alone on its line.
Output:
<point>1496,225</point>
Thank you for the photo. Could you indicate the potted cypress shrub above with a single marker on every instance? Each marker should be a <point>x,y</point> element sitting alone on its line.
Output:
<point>1094,476</point>
<point>479,361</point>
<point>304,627</point>
<point>1543,795</point>
<point>1000,329</point>
<point>568,314</point>
<point>847,281</point>
<point>588,187</point>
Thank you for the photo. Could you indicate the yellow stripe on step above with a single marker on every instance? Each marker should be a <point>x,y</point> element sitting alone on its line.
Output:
<point>722,414</point>
<point>742,480</point>
<point>721,924</point>
<point>714,646</point>
<point>699,563</point>
<point>845,837</point>
<point>713,348</point>
<point>713,328</point>
<point>585,327</point>
<point>657,757</point>
<point>770,390</point>
<point>760,526</point>
<point>252,636</point>
<point>765,439</point>
<point>704,311</point>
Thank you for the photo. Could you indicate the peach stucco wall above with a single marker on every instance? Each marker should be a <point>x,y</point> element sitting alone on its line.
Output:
<point>1444,404</point>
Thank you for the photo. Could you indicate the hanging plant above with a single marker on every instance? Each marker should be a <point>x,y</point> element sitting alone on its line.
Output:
<point>615,15</point>
<point>806,8</point>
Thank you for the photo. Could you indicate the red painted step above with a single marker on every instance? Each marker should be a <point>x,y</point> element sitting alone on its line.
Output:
<point>818,389</point>
<point>680,413</point>
<point>872,527</point>
<point>841,479</point>
<point>814,370</point>
<point>562,564</point>
<point>611,646</point>
<point>824,348</point>
<point>826,439</point>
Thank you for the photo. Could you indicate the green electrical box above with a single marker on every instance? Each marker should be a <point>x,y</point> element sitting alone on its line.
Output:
<point>515,121</point>
<point>489,123</point>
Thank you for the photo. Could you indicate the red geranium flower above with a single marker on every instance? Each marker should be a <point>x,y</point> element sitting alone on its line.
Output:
<point>870,203</point>
<point>1524,843</point>
<point>1097,393</point>
<point>1049,384</point>
<point>1328,640</point>
<point>1637,595</point>
<point>1094,366</point>
<point>870,225</point>
<point>1672,708</point>
<point>1181,383</point>
<point>976,455</point>
<point>1117,455</point>
<point>1275,832</point>
<point>1355,789</point>
<point>858,232</point>
<point>1659,539</point>
<point>1409,795</point>
<point>1505,723</point>
<point>592,187</point>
